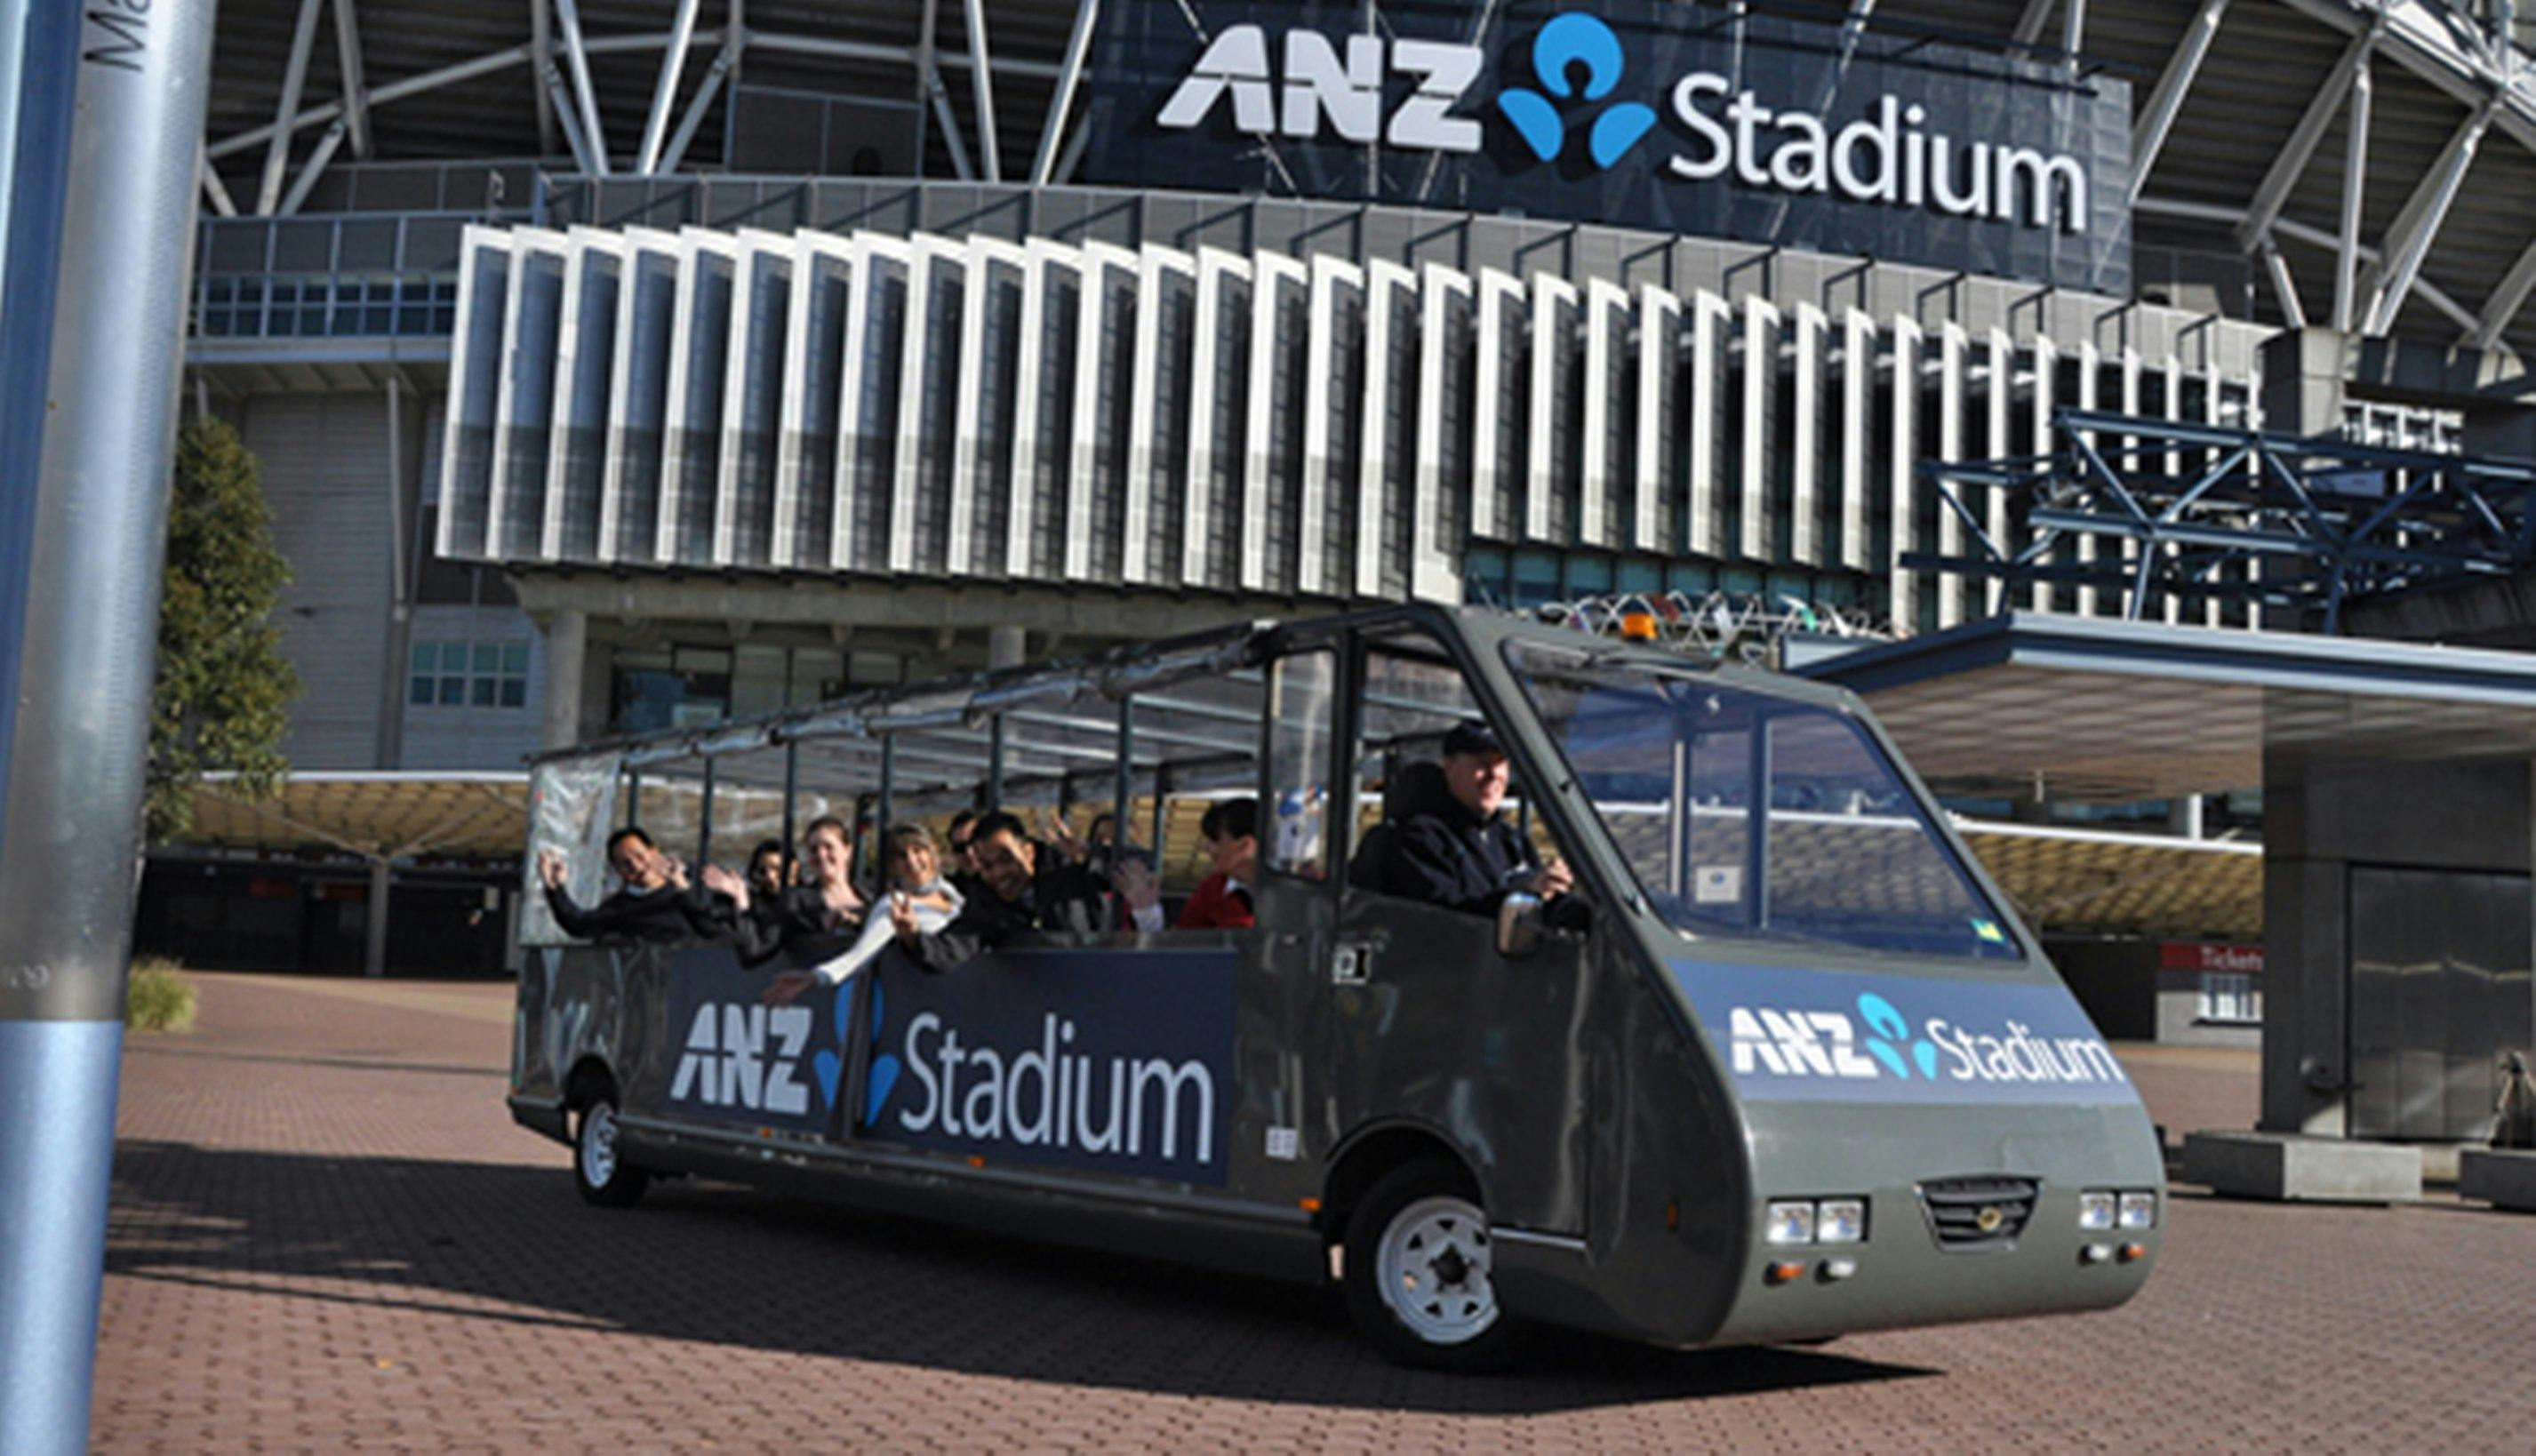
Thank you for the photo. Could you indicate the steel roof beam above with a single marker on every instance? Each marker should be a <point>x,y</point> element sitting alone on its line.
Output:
<point>310,172</point>
<point>294,75</point>
<point>540,53</point>
<point>2148,135</point>
<point>2029,26</point>
<point>213,187</point>
<point>357,95</point>
<point>1077,46</point>
<point>2284,287</point>
<point>981,88</point>
<point>578,59</point>
<point>2300,149</point>
<point>724,61</point>
<point>552,88</point>
<point>2408,241</point>
<point>2505,300</point>
<point>673,60</point>
<point>2355,176</point>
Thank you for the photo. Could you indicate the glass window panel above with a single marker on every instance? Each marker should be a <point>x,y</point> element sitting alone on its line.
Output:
<point>515,692</point>
<point>486,691</point>
<point>453,692</point>
<point>453,656</point>
<point>759,679</point>
<point>515,657</point>
<point>1299,763</point>
<point>423,657</point>
<point>419,691</point>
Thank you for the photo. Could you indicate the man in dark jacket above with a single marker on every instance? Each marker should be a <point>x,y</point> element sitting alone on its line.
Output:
<point>1022,889</point>
<point>656,903</point>
<point>1457,849</point>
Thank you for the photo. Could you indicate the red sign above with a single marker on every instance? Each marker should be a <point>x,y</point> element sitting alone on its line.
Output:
<point>2209,955</point>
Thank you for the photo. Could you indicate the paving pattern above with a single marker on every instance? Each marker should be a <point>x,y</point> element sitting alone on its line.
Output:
<point>328,1235</point>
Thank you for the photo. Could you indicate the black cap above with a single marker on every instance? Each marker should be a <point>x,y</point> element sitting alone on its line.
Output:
<point>1473,738</point>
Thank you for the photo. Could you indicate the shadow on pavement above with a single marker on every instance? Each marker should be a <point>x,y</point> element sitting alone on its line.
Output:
<point>722,1264</point>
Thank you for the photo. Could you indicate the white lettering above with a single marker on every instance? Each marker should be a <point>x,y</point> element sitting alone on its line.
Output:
<point>1041,1096</point>
<point>1319,85</point>
<point>1751,1045</point>
<point>1351,98</point>
<point>1686,107</point>
<point>1237,61</point>
<point>1444,72</point>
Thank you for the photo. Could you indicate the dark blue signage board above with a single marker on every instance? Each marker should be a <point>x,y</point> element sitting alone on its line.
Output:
<point>1103,1060</point>
<point>733,1058</point>
<point>1635,113</point>
<point>1822,1036</point>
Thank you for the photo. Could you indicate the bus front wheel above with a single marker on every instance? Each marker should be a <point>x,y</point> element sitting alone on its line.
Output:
<point>1418,1272</point>
<point>598,1167</point>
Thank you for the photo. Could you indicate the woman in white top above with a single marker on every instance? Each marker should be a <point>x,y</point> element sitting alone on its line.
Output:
<point>915,881</point>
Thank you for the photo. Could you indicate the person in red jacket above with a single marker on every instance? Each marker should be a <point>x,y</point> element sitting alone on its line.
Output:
<point>1222,899</point>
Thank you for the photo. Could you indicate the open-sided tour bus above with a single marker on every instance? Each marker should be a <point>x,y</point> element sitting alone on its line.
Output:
<point>1784,1065</point>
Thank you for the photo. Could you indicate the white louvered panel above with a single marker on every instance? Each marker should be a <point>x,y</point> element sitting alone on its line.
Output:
<point>691,441</point>
<point>1902,586</point>
<point>1711,320</point>
<point>1215,438</point>
<point>629,496</point>
<point>1607,320</point>
<point>1274,276</point>
<point>2215,609</point>
<point>1812,331</point>
<point>1501,310</point>
<point>584,354</point>
<point>1757,541</point>
<point>1320,367</point>
<point>1380,446</point>
<point>823,268</point>
<point>979,390</point>
<point>1659,382</point>
<point>2130,461</point>
<point>867,409</point>
<point>1144,461</point>
<point>1441,443</point>
<point>1039,382</point>
<point>1857,419</point>
<point>1092,379</point>
<point>2090,386</point>
<point>468,436</point>
<point>2173,460</point>
<point>1553,307</point>
<point>753,384</point>
<point>924,350</point>
<point>1953,347</point>
<point>2046,375</point>
<point>524,398</point>
<point>1998,399</point>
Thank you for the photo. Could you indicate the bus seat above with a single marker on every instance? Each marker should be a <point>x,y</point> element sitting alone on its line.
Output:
<point>1414,787</point>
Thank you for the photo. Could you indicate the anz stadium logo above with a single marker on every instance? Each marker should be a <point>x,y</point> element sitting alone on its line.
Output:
<point>1771,1043</point>
<point>1565,43</point>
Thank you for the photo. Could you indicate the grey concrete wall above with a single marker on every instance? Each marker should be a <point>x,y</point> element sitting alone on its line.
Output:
<point>325,469</point>
<point>2321,817</point>
<point>467,736</point>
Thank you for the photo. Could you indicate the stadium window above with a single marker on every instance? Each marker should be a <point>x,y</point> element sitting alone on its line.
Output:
<point>2229,996</point>
<point>467,674</point>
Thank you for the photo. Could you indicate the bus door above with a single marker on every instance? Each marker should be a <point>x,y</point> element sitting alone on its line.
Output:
<point>1413,1015</point>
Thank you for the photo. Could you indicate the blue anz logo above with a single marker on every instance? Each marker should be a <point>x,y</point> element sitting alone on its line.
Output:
<point>1889,1028</point>
<point>830,1068</point>
<point>1568,42</point>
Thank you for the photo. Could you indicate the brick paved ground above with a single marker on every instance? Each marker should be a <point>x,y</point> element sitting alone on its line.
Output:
<point>328,1235</point>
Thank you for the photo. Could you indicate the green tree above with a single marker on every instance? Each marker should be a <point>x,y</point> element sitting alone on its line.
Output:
<point>223,688</point>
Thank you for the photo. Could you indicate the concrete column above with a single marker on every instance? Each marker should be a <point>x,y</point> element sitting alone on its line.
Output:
<point>567,654</point>
<point>2184,816</point>
<point>1006,646</point>
<point>374,959</point>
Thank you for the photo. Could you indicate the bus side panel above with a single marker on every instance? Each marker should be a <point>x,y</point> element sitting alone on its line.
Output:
<point>571,1008</point>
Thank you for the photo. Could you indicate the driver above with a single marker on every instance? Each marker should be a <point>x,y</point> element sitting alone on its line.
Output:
<point>1458,849</point>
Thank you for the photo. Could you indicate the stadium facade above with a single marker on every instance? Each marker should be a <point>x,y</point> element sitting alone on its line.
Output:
<point>623,366</point>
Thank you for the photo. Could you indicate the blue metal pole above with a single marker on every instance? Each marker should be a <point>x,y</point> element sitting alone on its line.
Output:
<point>100,233</point>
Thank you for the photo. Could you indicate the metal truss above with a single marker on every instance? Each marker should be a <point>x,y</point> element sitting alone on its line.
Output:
<point>2204,513</point>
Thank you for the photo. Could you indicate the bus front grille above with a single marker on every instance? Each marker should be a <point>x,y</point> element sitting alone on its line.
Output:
<point>1977,1215</point>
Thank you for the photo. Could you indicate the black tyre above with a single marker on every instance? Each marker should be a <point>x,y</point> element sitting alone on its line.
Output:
<point>599,1169</point>
<point>1418,1272</point>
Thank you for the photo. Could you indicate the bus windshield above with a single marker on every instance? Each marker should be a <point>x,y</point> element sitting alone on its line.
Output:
<point>1842,854</point>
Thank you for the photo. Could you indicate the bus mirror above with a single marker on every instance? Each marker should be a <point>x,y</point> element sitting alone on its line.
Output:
<point>1518,925</point>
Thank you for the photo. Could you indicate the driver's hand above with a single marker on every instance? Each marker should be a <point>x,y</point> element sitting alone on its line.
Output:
<point>1554,879</point>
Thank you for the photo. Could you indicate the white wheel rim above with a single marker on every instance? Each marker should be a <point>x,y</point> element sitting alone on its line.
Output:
<point>598,1145</point>
<point>1432,1268</point>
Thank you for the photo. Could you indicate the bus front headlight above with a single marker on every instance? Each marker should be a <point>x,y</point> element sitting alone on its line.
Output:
<point>2095,1211</point>
<point>2140,1211</point>
<point>1789,1223</point>
<point>1840,1221</point>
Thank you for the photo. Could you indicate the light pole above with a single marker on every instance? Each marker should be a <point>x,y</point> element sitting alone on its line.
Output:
<point>103,104</point>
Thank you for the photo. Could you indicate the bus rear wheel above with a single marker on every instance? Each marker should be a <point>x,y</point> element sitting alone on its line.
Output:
<point>1418,1272</point>
<point>599,1169</point>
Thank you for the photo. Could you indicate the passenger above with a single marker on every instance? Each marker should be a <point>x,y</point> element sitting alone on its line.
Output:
<point>963,869</point>
<point>768,874</point>
<point>1025,890</point>
<point>1457,849</point>
<point>814,921</point>
<point>1222,899</point>
<point>653,903</point>
<point>915,881</point>
<point>1139,889</point>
